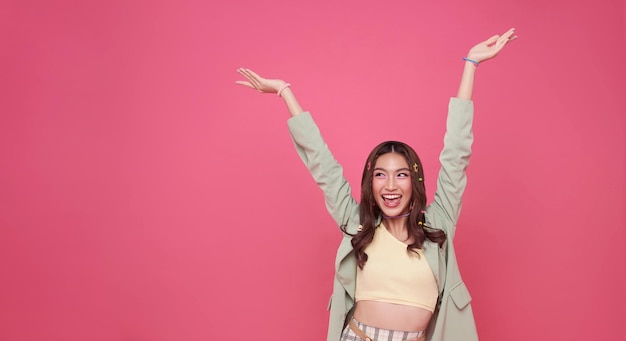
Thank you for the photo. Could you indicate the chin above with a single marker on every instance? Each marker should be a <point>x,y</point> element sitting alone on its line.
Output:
<point>392,213</point>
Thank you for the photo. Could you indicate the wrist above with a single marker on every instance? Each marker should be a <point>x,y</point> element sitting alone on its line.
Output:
<point>282,88</point>
<point>470,60</point>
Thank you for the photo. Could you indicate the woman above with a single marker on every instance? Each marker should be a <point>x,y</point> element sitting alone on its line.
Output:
<point>397,277</point>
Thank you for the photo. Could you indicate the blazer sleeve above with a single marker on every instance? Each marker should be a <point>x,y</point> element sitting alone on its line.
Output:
<point>326,171</point>
<point>454,160</point>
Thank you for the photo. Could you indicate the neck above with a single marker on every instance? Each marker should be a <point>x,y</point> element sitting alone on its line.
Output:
<point>396,224</point>
<point>397,228</point>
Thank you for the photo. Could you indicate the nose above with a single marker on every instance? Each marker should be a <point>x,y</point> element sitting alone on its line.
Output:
<point>390,184</point>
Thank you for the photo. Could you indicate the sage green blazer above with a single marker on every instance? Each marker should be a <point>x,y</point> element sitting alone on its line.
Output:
<point>453,318</point>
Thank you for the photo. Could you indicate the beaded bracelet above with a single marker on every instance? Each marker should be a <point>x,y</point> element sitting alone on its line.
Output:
<point>471,61</point>
<point>282,89</point>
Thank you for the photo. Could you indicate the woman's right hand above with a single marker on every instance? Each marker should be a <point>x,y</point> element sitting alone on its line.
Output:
<point>491,47</point>
<point>259,83</point>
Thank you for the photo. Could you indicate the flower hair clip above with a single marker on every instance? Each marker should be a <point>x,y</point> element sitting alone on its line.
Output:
<point>415,167</point>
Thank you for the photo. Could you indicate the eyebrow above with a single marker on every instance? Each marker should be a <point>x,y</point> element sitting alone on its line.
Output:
<point>397,170</point>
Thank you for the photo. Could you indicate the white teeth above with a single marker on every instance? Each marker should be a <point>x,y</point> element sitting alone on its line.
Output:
<point>391,196</point>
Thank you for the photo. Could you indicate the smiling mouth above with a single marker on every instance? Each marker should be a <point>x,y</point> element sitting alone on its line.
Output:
<point>391,200</point>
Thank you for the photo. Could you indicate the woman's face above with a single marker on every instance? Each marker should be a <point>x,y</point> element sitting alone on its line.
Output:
<point>391,184</point>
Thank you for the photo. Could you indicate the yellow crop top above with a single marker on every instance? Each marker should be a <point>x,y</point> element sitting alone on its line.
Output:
<point>394,275</point>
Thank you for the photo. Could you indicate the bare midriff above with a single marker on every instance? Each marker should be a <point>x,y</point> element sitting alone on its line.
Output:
<point>392,316</point>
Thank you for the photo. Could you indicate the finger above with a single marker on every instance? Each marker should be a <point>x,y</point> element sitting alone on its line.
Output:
<point>499,45</point>
<point>502,42</point>
<point>255,79</point>
<point>510,32</point>
<point>509,35</point>
<point>251,78</point>
<point>254,74</point>
<point>242,72</point>
<point>491,40</point>
<point>244,83</point>
<point>506,38</point>
<point>246,73</point>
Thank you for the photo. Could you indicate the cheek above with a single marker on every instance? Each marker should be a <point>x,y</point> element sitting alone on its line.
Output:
<point>377,184</point>
<point>407,187</point>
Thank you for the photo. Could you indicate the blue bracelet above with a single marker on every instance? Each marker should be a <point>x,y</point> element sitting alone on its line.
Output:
<point>471,61</point>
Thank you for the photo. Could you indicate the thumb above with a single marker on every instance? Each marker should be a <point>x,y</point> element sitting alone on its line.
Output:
<point>244,83</point>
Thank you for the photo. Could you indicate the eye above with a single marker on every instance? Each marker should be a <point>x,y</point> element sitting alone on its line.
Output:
<point>403,175</point>
<point>379,175</point>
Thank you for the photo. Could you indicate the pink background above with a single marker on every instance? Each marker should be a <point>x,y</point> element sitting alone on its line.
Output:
<point>144,196</point>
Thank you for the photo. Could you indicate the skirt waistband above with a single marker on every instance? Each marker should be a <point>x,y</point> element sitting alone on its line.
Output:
<point>421,335</point>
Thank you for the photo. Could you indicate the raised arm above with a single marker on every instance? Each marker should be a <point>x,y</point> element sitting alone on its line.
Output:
<point>312,149</point>
<point>458,139</point>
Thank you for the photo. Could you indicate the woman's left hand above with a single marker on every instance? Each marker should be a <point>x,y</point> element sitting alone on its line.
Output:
<point>491,47</point>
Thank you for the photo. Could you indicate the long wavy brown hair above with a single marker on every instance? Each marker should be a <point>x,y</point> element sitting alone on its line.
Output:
<point>369,210</point>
